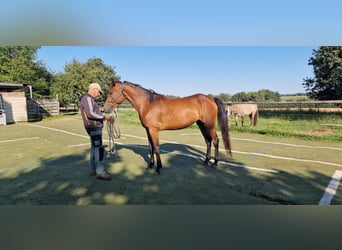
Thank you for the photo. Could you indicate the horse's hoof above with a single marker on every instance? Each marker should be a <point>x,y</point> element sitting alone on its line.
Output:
<point>205,163</point>
<point>156,173</point>
<point>149,167</point>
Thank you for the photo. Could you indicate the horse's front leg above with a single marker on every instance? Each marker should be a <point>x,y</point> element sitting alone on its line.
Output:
<point>151,151</point>
<point>157,152</point>
<point>154,141</point>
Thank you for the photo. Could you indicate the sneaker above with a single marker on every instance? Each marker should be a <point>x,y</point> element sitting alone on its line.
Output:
<point>104,176</point>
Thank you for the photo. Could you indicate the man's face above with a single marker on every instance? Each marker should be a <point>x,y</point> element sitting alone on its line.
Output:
<point>95,92</point>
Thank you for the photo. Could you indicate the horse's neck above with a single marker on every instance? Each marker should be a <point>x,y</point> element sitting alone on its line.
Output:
<point>137,97</point>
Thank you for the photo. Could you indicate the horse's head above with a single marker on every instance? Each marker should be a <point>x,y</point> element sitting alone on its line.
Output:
<point>115,96</point>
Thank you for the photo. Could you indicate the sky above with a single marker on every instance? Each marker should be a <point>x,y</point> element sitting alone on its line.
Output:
<point>186,70</point>
<point>171,22</point>
<point>180,47</point>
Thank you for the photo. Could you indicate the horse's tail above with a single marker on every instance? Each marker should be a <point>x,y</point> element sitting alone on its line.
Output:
<point>255,121</point>
<point>223,123</point>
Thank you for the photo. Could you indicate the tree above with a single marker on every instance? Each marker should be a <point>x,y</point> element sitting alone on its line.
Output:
<point>252,96</point>
<point>327,67</point>
<point>71,84</point>
<point>266,95</point>
<point>17,65</point>
<point>240,97</point>
<point>263,95</point>
<point>225,97</point>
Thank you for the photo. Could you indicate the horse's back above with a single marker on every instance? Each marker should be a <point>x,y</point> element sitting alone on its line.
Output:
<point>244,108</point>
<point>176,113</point>
<point>196,100</point>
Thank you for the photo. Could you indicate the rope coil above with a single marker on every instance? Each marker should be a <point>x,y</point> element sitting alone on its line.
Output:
<point>113,131</point>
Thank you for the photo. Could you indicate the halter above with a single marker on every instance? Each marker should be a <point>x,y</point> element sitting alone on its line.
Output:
<point>121,94</point>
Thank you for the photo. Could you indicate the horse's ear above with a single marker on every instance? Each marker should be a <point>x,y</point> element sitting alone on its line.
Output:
<point>112,82</point>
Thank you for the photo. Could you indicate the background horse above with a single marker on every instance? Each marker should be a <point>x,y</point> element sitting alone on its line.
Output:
<point>242,110</point>
<point>157,112</point>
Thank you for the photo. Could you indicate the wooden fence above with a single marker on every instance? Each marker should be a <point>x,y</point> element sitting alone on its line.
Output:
<point>302,108</point>
<point>37,109</point>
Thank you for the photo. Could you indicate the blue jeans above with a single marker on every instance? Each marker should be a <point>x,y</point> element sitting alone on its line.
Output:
<point>96,152</point>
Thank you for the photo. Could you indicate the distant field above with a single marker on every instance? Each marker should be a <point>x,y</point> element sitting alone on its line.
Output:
<point>294,98</point>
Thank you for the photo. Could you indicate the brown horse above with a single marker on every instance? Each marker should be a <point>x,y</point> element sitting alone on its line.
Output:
<point>158,112</point>
<point>244,109</point>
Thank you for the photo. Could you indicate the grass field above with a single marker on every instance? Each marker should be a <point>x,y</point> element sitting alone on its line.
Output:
<point>47,163</point>
<point>294,98</point>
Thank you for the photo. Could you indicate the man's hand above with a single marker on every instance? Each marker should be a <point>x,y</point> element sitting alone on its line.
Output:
<point>108,117</point>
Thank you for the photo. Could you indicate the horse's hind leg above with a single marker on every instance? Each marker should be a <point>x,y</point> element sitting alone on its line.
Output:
<point>212,137</point>
<point>216,145</point>
<point>207,139</point>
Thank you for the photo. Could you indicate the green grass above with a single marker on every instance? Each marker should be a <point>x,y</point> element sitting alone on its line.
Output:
<point>289,126</point>
<point>321,129</point>
<point>52,168</point>
<point>129,116</point>
<point>294,98</point>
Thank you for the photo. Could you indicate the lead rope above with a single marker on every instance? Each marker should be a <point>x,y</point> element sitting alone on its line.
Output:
<point>113,133</point>
<point>110,131</point>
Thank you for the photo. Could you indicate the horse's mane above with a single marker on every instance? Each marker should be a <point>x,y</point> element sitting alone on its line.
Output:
<point>152,95</point>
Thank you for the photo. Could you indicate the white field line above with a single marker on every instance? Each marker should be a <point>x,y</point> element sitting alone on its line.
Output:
<point>290,159</point>
<point>288,144</point>
<point>226,163</point>
<point>57,130</point>
<point>331,189</point>
<point>65,132</point>
<point>239,152</point>
<point>258,154</point>
<point>78,145</point>
<point>20,139</point>
<point>277,143</point>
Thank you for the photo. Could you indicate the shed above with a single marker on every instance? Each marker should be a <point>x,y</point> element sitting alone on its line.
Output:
<point>13,101</point>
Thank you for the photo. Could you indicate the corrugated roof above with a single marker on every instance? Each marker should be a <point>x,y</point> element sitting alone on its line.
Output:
<point>9,85</point>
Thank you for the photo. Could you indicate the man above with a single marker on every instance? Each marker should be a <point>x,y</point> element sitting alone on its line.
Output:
<point>93,123</point>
